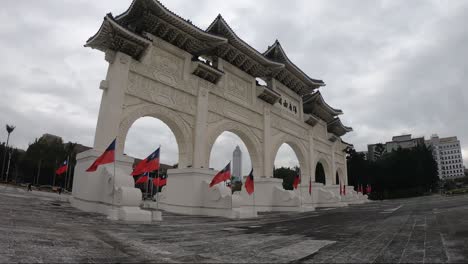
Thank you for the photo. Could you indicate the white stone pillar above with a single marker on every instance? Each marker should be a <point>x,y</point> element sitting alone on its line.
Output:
<point>110,111</point>
<point>201,131</point>
<point>267,159</point>
<point>333,165</point>
<point>311,155</point>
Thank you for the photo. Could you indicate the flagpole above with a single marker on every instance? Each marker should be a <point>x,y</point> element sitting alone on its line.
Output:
<point>253,196</point>
<point>157,187</point>
<point>113,183</point>
<point>66,173</point>
<point>300,187</point>
<point>231,182</point>
<point>55,173</point>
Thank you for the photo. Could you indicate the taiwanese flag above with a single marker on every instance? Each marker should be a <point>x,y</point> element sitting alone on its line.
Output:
<point>62,169</point>
<point>160,181</point>
<point>249,183</point>
<point>151,163</point>
<point>143,179</point>
<point>223,175</point>
<point>297,181</point>
<point>107,157</point>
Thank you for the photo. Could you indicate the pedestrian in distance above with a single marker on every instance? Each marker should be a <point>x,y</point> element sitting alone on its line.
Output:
<point>30,187</point>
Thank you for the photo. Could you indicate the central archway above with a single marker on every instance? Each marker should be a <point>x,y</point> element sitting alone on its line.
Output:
<point>247,136</point>
<point>299,149</point>
<point>286,166</point>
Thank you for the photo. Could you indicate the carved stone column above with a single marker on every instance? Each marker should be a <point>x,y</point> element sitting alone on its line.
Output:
<point>200,134</point>
<point>333,165</point>
<point>267,159</point>
<point>311,155</point>
<point>110,111</point>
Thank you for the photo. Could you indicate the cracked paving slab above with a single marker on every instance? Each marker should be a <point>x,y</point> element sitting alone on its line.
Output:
<point>430,229</point>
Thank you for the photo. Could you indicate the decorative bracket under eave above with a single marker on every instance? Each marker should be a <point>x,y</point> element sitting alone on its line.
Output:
<point>267,94</point>
<point>206,71</point>
<point>311,119</point>
<point>333,138</point>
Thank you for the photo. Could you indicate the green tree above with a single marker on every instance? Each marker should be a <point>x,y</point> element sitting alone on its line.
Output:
<point>287,174</point>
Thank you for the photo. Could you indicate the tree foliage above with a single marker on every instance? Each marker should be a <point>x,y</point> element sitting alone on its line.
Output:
<point>400,173</point>
<point>287,174</point>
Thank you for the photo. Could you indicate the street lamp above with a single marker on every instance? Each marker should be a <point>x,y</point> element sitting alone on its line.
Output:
<point>9,129</point>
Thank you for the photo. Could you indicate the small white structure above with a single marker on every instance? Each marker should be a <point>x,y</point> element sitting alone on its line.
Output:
<point>202,83</point>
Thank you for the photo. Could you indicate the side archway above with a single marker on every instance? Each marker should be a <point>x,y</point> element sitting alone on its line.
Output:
<point>173,120</point>
<point>299,149</point>
<point>322,171</point>
<point>247,136</point>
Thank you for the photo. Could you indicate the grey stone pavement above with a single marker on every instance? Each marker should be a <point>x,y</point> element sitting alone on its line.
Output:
<point>35,228</point>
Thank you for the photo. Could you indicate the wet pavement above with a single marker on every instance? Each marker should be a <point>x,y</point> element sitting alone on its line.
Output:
<point>35,228</point>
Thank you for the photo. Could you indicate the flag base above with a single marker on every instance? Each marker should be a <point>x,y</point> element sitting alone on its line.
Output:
<point>106,192</point>
<point>187,192</point>
<point>270,196</point>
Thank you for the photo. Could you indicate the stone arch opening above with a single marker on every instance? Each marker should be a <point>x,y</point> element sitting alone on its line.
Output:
<point>286,166</point>
<point>320,176</point>
<point>246,136</point>
<point>337,178</point>
<point>172,120</point>
<point>299,150</point>
<point>146,135</point>
<point>229,147</point>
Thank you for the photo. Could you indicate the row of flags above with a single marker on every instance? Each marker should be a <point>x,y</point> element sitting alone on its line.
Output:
<point>151,164</point>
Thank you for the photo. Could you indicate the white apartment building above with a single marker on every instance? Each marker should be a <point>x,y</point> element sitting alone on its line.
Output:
<point>447,153</point>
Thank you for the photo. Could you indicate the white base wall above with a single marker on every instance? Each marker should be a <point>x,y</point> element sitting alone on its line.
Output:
<point>188,192</point>
<point>102,192</point>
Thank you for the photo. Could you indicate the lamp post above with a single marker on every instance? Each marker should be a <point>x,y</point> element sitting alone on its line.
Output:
<point>9,129</point>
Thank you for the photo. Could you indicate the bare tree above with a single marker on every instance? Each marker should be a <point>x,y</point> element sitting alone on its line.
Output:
<point>9,129</point>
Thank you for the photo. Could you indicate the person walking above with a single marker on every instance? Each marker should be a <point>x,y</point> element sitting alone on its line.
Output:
<point>30,187</point>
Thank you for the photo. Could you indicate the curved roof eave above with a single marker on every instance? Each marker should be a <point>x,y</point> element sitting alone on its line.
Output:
<point>160,6</point>
<point>109,19</point>
<point>318,96</point>
<point>337,121</point>
<point>312,82</point>
<point>232,34</point>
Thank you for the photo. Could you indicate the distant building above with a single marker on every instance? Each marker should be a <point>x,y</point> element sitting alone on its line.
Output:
<point>447,153</point>
<point>237,164</point>
<point>375,151</point>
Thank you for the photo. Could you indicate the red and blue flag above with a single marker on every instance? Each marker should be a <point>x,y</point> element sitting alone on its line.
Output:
<point>107,157</point>
<point>63,168</point>
<point>249,183</point>
<point>150,164</point>
<point>297,181</point>
<point>223,175</point>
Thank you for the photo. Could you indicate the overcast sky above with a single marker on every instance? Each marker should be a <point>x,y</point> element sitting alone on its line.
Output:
<point>392,66</point>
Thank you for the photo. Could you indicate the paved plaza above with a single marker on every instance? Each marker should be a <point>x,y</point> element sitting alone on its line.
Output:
<point>36,228</point>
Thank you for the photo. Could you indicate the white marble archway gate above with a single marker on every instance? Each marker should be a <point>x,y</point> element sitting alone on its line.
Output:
<point>202,83</point>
